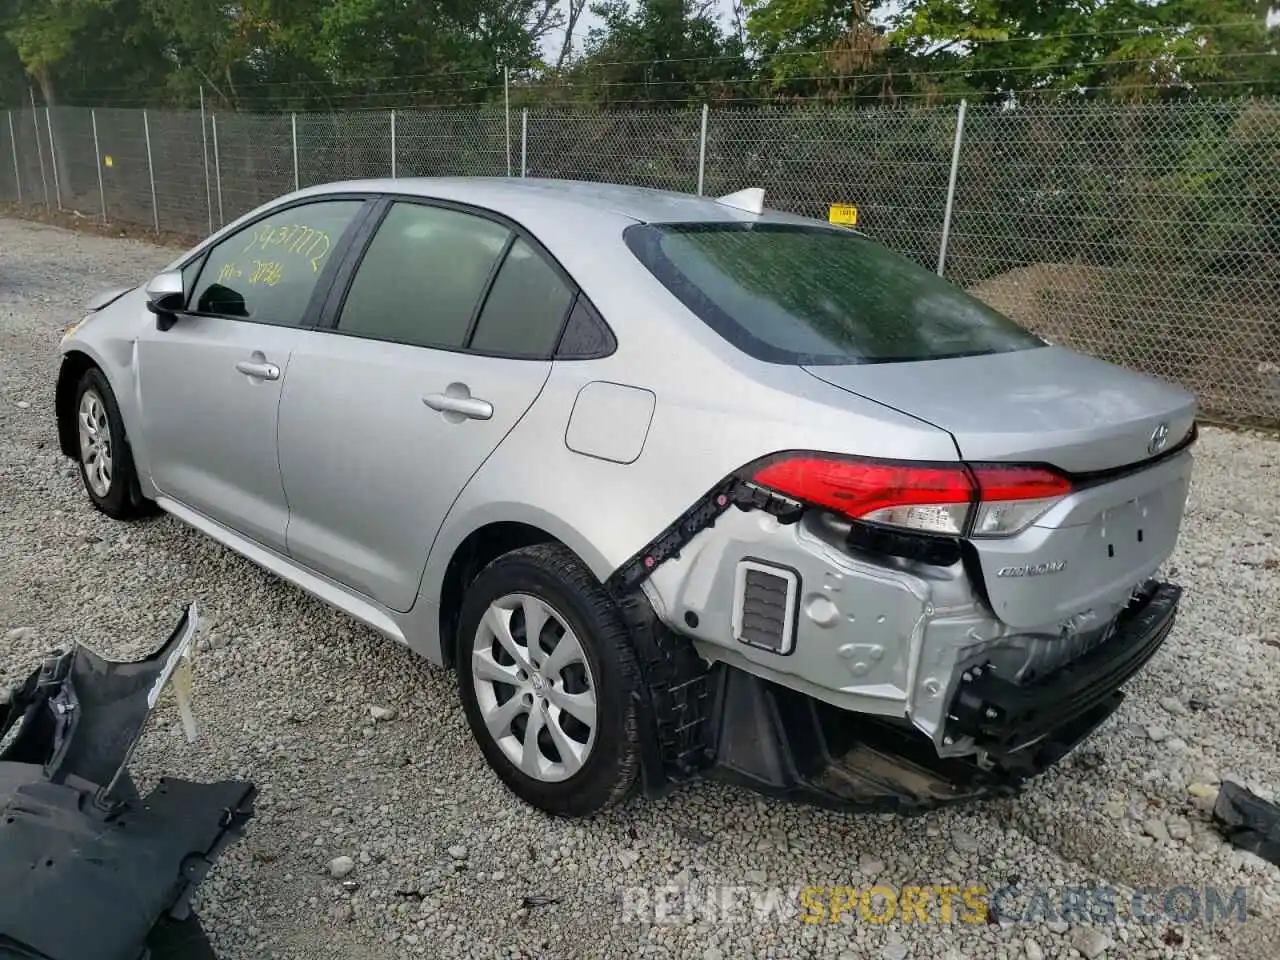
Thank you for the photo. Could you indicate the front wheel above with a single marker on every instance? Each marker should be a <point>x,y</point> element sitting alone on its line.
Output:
<point>106,462</point>
<point>546,674</point>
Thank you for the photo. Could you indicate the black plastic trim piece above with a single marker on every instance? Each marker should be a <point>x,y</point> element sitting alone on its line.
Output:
<point>671,541</point>
<point>935,550</point>
<point>675,701</point>
<point>494,270</point>
<point>785,744</point>
<point>352,258</point>
<point>1093,478</point>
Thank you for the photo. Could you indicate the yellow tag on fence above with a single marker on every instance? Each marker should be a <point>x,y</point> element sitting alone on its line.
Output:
<point>107,161</point>
<point>845,214</point>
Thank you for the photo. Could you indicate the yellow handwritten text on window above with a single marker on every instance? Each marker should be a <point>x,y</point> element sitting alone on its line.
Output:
<point>294,238</point>
<point>267,272</point>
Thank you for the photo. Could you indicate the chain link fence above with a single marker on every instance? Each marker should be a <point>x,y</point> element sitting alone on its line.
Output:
<point>1147,234</point>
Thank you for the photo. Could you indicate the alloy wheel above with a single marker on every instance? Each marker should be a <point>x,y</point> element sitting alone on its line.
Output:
<point>95,442</point>
<point>534,687</point>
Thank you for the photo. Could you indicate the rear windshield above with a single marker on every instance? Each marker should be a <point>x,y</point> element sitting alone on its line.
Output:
<point>810,294</point>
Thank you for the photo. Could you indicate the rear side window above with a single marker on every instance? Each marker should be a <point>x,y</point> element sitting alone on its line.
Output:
<point>422,276</point>
<point>525,309</point>
<point>268,271</point>
<point>799,294</point>
<point>585,334</point>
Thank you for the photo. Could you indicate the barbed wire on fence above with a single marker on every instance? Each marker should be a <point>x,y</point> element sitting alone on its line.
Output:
<point>1145,233</point>
<point>422,87</point>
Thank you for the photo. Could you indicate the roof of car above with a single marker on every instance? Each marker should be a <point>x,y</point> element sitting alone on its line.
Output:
<point>571,198</point>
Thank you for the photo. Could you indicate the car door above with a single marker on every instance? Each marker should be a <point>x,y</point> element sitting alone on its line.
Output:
<point>210,383</point>
<point>442,343</point>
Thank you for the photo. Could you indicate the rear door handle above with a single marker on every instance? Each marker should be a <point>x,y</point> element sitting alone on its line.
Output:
<point>469,407</point>
<point>263,371</point>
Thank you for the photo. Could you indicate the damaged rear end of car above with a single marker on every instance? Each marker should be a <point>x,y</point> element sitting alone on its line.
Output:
<point>894,634</point>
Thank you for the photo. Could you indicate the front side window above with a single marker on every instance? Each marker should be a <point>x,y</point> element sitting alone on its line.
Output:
<point>789,293</point>
<point>268,271</point>
<point>422,276</point>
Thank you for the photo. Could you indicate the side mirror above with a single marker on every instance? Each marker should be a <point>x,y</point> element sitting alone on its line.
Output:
<point>165,296</point>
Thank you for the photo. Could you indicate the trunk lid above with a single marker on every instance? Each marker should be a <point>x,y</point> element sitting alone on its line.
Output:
<point>1082,558</point>
<point>1047,405</point>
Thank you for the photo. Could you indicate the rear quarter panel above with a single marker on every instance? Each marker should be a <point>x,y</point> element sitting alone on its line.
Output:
<point>715,410</point>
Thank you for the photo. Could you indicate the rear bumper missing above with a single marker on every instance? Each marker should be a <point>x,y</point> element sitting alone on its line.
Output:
<point>1003,717</point>
<point>780,742</point>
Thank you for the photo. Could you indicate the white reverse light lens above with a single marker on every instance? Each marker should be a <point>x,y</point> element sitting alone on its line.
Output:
<point>945,518</point>
<point>1001,519</point>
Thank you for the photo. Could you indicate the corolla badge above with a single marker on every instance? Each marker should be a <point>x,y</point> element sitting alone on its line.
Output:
<point>1159,439</point>
<point>1033,569</point>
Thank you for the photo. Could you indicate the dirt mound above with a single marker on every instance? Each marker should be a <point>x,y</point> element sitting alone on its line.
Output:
<point>1222,342</point>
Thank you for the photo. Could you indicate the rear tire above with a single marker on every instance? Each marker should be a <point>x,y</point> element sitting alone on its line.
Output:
<point>572,684</point>
<point>106,461</point>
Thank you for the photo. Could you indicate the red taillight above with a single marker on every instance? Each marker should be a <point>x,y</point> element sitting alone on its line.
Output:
<point>934,499</point>
<point>1019,483</point>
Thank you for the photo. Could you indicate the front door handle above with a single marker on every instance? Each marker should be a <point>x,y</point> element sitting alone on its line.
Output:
<point>261,370</point>
<point>470,407</point>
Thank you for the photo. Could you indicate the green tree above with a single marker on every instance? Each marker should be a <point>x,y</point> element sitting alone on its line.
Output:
<point>815,45</point>
<point>1130,48</point>
<point>658,51</point>
<point>45,32</point>
<point>447,50</point>
<point>237,51</point>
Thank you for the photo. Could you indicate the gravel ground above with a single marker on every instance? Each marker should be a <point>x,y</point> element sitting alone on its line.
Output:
<point>445,864</point>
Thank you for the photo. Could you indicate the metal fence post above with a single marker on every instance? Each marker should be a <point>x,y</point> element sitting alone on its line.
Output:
<point>393,144</point>
<point>702,150</point>
<point>951,187</point>
<point>217,166</point>
<point>13,144</point>
<point>35,122</point>
<point>151,171</point>
<point>97,160</point>
<point>204,147</point>
<point>293,121</point>
<point>53,155</point>
<point>506,110</point>
<point>524,140</point>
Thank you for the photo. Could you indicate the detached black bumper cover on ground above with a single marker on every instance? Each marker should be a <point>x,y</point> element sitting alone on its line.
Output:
<point>89,870</point>
<point>1249,822</point>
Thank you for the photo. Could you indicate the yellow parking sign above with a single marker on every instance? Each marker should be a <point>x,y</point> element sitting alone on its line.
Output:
<point>845,214</point>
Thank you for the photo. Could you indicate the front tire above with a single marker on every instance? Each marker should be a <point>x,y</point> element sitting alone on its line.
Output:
<point>547,676</point>
<point>106,462</point>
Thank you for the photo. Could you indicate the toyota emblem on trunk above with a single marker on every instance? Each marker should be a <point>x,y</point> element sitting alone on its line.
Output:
<point>1159,438</point>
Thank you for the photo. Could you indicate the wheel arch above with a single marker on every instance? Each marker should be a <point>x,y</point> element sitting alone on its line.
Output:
<point>75,363</point>
<point>476,550</point>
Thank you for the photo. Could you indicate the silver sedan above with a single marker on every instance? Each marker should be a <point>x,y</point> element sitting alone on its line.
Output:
<point>678,486</point>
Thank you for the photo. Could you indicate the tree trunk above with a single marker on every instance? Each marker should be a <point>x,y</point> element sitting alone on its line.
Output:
<point>61,144</point>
